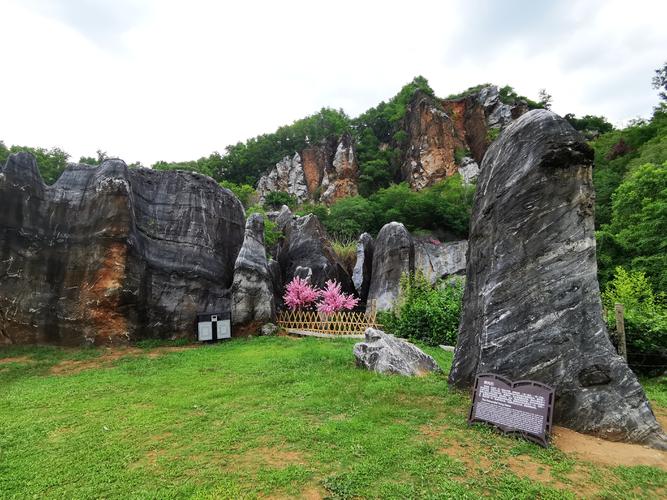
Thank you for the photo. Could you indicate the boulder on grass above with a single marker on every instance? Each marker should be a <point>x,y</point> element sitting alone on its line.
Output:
<point>384,353</point>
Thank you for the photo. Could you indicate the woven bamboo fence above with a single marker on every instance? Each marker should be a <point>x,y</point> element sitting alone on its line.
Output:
<point>340,323</point>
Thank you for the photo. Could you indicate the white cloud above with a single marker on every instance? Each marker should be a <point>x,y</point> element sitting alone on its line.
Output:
<point>177,80</point>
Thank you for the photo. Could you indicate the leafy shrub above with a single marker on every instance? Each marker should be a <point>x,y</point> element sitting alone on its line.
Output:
<point>277,199</point>
<point>272,234</point>
<point>244,192</point>
<point>346,250</point>
<point>425,312</point>
<point>645,315</point>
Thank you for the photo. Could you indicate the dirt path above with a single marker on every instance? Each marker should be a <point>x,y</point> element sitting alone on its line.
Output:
<point>604,452</point>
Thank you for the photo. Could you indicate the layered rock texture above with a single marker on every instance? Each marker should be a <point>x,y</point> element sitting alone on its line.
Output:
<point>532,305</point>
<point>324,172</point>
<point>384,353</point>
<point>253,289</point>
<point>396,252</point>
<point>363,267</point>
<point>112,254</point>
<point>440,138</point>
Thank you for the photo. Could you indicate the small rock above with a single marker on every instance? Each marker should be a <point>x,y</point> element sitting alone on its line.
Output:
<point>384,353</point>
<point>269,329</point>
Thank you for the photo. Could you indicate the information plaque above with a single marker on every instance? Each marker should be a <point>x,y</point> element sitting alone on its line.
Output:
<point>524,407</point>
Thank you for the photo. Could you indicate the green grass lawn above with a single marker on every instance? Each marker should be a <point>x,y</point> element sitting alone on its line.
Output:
<point>265,417</point>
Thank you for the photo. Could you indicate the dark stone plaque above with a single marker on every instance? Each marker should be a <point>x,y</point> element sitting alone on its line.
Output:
<point>524,407</point>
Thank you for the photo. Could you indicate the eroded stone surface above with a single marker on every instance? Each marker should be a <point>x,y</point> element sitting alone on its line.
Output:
<point>252,289</point>
<point>363,267</point>
<point>112,254</point>
<point>287,176</point>
<point>384,353</point>
<point>307,252</point>
<point>439,260</point>
<point>393,256</point>
<point>531,308</point>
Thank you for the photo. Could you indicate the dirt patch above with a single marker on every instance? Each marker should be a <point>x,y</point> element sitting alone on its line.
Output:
<point>271,457</point>
<point>309,493</point>
<point>16,359</point>
<point>459,451</point>
<point>579,483</point>
<point>109,356</point>
<point>604,452</point>
<point>660,415</point>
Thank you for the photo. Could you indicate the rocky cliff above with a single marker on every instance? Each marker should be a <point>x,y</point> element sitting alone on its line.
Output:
<point>112,254</point>
<point>531,308</point>
<point>441,137</point>
<point>325,172</point>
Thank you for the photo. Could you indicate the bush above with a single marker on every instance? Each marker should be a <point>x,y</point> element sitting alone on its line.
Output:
<point>425,312</point>
<point>272,234</point>
<point>244,192</point>
<point>645,318</point>
<point>277,199</point>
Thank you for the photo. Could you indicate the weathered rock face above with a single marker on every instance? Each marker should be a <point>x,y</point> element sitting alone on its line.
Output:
<point>108,254</point>
<point>384,353</point>
<point>363,267</point>
<point>432,142</point>
<point>288,176</point>
<point>439,260</point>
<point>396,253</point>
<point>532,305</point>
<point>325,172</point>
<point>307,247</point>
<point>393,255</point>
<point>252,289</point>
<point>469,170</point>
<point>340,179</point>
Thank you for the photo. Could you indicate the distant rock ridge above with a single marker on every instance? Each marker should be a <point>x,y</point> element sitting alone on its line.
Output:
<point>443,137</point>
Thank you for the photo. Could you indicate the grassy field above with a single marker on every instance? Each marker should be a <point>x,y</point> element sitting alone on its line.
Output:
<point>266,417</point>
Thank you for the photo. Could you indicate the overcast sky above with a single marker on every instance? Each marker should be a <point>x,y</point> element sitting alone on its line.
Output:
<point>177,80</point>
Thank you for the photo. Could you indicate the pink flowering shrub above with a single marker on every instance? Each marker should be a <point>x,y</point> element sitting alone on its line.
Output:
<point>300,293</point>
<point>334,300</point>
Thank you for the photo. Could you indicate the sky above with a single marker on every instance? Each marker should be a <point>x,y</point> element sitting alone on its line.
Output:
<point>150,80</point>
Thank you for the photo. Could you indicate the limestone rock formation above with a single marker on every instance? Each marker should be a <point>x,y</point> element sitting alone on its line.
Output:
<point>306,246</point>
<point>363,267</point>
<point>252,289</point>
<point>340,179</point>
<point>432,142</point>
<point>469,170</point>
<point>110,254</point>
<point>396,253</point>
<point>323,173</point>
<point>439,260</point>
<point>288,176</point>
<point>384,353</point>
<point>393,255</point>
<point>532,304</point>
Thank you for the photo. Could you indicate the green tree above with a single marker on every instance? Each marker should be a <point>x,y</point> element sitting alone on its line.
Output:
<point>277,199</point>
<point>660,82</point>
<point>639,221</point>
<point>244,192</point>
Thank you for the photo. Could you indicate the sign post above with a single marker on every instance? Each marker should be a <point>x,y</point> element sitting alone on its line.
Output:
<point>524,408</point>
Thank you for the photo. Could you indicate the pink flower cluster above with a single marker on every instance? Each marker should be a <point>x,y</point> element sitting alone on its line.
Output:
<point>334,300</point>
<point>299,293</point>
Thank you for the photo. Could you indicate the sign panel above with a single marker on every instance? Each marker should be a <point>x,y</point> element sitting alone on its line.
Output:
<point>524,407</point>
